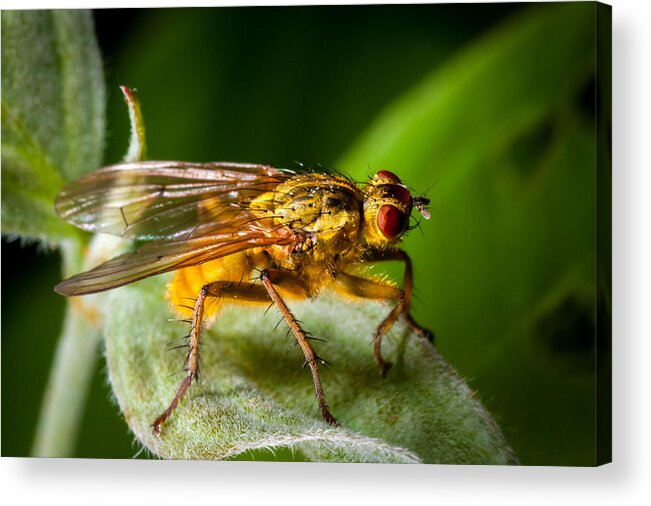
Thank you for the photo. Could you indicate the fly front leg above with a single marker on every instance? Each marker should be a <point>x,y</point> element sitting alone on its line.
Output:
<point>364,288</point>
<point>407,288</point>
<point>288,282</point>
<point>357,286</point>
<point>227,290</point>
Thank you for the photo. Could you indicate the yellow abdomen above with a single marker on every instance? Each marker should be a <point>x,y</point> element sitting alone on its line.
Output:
<point>187,283</point>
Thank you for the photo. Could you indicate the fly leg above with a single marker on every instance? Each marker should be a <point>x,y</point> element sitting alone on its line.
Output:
<point>407,287</point>
<point>269,277</point>
<point>357,286</point>
<point>364,288</point>
<point>248,292</point>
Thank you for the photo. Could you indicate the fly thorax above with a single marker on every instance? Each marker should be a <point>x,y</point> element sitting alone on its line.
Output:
<point>324,213</point>
<point>325,207</point>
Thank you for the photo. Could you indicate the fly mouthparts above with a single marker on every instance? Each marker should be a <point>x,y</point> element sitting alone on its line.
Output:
<point>421,204</point>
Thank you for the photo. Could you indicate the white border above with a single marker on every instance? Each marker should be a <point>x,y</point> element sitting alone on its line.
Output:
<point>111,482</point>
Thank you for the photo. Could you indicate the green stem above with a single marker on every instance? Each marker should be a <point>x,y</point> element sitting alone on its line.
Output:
<point>70,377</point>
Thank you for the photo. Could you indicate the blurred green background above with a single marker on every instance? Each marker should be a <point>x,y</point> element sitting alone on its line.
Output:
<point>505,269</point>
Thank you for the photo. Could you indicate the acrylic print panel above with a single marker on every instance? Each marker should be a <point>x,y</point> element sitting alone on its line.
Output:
<point>498,113</point>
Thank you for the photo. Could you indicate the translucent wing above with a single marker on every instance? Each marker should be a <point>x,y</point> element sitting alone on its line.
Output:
<point>162,256</point>
<point>165,199</point>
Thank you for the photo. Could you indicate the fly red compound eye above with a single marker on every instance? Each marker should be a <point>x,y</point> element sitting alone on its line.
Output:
<point>391,221</point>
<point>401,194</point>
<point>388,176</point>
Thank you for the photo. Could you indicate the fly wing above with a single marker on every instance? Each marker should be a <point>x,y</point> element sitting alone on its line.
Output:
<point>165,199</point>
<point>163,256</point>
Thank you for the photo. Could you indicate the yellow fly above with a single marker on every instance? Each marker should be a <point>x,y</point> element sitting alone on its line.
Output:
<point>218,224</point>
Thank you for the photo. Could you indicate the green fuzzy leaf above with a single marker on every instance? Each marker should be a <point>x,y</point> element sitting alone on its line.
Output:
<point>254,395</point>
<point>53,102</point>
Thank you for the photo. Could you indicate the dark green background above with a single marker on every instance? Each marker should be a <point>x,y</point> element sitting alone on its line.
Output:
<point>276,85</point>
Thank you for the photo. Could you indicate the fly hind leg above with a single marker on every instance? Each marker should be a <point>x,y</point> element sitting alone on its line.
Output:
<point>226,290</point>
